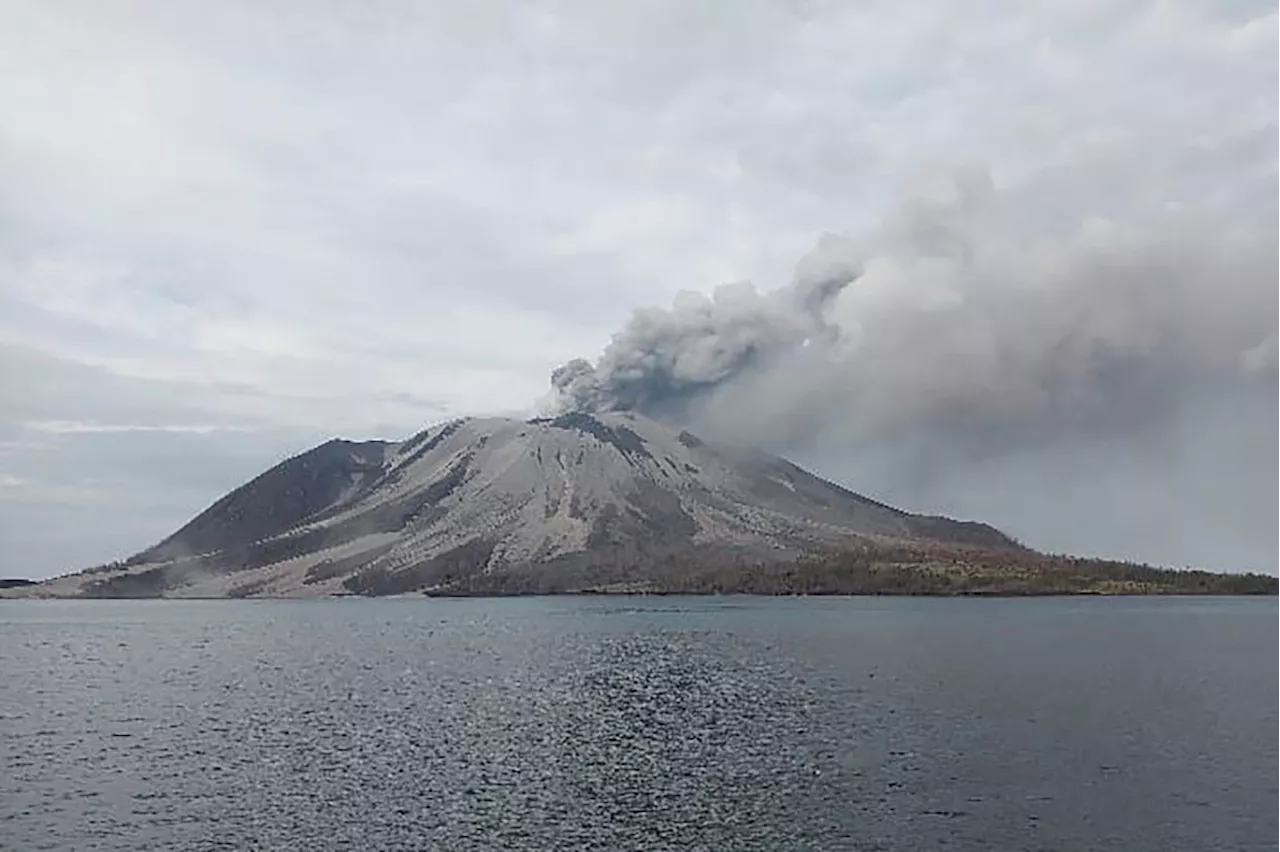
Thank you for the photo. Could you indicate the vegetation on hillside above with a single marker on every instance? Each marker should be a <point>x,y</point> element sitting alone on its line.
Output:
<point>874,570</point>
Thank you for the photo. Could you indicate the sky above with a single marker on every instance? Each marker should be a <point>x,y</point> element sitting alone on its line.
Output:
<point>231,231</point>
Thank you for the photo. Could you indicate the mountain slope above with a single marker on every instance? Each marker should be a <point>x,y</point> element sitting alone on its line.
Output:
<point>562,502</point>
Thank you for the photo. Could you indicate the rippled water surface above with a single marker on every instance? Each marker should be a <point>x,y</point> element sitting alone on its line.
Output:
<point>658,723</point>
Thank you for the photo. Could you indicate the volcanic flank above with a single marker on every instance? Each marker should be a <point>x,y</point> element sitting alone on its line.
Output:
<point>577,503</point>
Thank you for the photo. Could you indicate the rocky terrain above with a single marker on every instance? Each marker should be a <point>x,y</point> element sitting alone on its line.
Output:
<point>578,503</point>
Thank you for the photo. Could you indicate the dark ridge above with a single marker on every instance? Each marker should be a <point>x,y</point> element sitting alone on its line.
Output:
<point>16,583</point>
<point>330,568</point>
<point>416,507</point>
<point>282,498</point>
<point>258,554</point>
<point>428,497</point>
<point>445,431</point>
<point>419,507</point>
<point>449,568</point>
<point>417,439</point>
<point>625,440</point>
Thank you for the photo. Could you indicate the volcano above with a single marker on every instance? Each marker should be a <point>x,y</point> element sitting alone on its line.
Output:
<point>576,503</point>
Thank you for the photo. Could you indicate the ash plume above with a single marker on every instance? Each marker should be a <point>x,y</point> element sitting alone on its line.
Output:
<point>978,334</point>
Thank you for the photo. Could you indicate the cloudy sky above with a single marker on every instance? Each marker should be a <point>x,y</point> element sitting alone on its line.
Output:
<point>231,230</point>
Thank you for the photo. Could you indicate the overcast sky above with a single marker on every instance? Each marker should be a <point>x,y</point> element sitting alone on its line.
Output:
<point>231,230</point>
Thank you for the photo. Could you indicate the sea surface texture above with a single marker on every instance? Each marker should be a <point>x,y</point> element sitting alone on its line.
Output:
<point>639,723</point>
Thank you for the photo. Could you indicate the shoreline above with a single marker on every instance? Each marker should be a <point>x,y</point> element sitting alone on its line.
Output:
<point>594,593</point>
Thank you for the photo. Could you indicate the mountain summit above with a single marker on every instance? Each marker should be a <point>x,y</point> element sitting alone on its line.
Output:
<point>564,502</point>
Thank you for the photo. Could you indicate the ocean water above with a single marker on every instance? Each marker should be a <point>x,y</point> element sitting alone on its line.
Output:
<point>639,723</point>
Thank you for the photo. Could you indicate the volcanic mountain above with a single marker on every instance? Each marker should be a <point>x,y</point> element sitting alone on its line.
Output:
<point>577,503</point>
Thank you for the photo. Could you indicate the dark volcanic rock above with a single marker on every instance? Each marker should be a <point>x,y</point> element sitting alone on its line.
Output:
<point>296,490</point>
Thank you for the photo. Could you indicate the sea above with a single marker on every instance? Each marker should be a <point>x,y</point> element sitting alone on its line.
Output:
<point>639,723</point>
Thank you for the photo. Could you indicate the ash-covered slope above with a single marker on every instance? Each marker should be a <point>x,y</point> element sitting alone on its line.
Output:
<point>596,496</point>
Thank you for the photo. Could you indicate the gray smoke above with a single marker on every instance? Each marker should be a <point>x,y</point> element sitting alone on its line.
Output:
<point>978,336</point>
<point>665,357</point>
